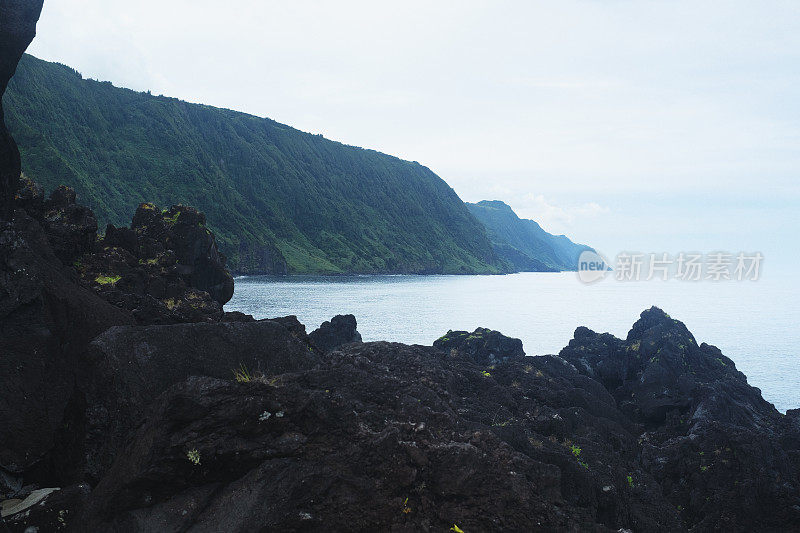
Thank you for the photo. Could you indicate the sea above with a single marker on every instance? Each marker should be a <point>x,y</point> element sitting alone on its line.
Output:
<point>755,323</point>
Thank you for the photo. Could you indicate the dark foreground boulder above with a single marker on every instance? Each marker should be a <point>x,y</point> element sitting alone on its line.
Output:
<point>389,437</point>
<point>183,230</point>
<point>483,346</point>
<point>383,437</point>
<point>336,332</point>
<point>59,288</point>
<point>46,319</point>
<point>129,366</point>
<point>723,455</point>
<point>71,228</point>
<point>165,268</point>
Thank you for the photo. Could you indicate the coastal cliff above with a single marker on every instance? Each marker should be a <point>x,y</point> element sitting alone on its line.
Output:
<point>131,401</point>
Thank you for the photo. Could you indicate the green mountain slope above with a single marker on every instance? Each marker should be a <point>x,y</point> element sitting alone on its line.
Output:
<point>522,243</point>
<point>278,199</point>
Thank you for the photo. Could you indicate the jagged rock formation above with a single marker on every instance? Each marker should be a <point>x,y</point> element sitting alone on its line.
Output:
<point>335,332</point>
<point>165,268</point>
<point>17,29</point>
<point>60,287</point>
<point>483,346</point>
<point>379,437</point>
<point>654,433</point>
<point>721,453</point>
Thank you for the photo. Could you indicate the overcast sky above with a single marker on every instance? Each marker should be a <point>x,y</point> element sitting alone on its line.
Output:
<point>628,125</point>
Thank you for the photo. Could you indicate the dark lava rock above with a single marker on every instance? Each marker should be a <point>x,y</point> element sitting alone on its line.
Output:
<point>129,366</point>
<point>165,268</point>
<point>483,346</point>
<point>19,19</point>
<point>292,324</point>
<point>237,316</point>
<point>383,437</point>
<point>722,454</point>
<point>183,230</point>
<point>332,334</point>
<point>151,288</point>
<point>30,197</point>
<point>59,289</point>
<point>46,319</point>
<point>71,228</point>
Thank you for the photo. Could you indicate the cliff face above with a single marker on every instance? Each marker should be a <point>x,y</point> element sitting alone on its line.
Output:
<point>522,243</point>
<point>278,199</point>
<point>17,29</point>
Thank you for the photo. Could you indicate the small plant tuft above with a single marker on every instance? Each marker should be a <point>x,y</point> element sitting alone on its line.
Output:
<point>193,456</point>
<point>172,219</point>
<point>242,375</point>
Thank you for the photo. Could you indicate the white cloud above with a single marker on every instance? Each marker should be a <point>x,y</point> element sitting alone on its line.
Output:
<point>555,218</point>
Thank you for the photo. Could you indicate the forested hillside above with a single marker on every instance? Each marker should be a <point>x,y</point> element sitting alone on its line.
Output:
<point>278,199</point>
<point>522,243</point>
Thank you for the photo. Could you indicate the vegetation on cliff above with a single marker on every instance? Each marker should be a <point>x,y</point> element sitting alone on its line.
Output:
<point>279,200</point>
<point>522,244</point>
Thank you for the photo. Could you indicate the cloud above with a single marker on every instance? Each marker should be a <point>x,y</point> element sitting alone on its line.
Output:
<point>555,218</point>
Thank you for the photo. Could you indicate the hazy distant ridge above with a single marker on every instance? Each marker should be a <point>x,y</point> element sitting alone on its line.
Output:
<point>522,243</point>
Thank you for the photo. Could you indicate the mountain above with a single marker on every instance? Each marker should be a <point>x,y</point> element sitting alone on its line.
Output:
<point>523,244</point>
<point>279,200</point>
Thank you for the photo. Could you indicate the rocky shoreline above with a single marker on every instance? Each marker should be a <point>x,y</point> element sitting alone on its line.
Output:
<point>133,402</point>
<point>130,401</point>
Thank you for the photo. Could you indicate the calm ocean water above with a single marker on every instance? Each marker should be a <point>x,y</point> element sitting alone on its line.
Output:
<point>757,324</point>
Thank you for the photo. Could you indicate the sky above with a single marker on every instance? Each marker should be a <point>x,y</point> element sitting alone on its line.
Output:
<point>641,125</point>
